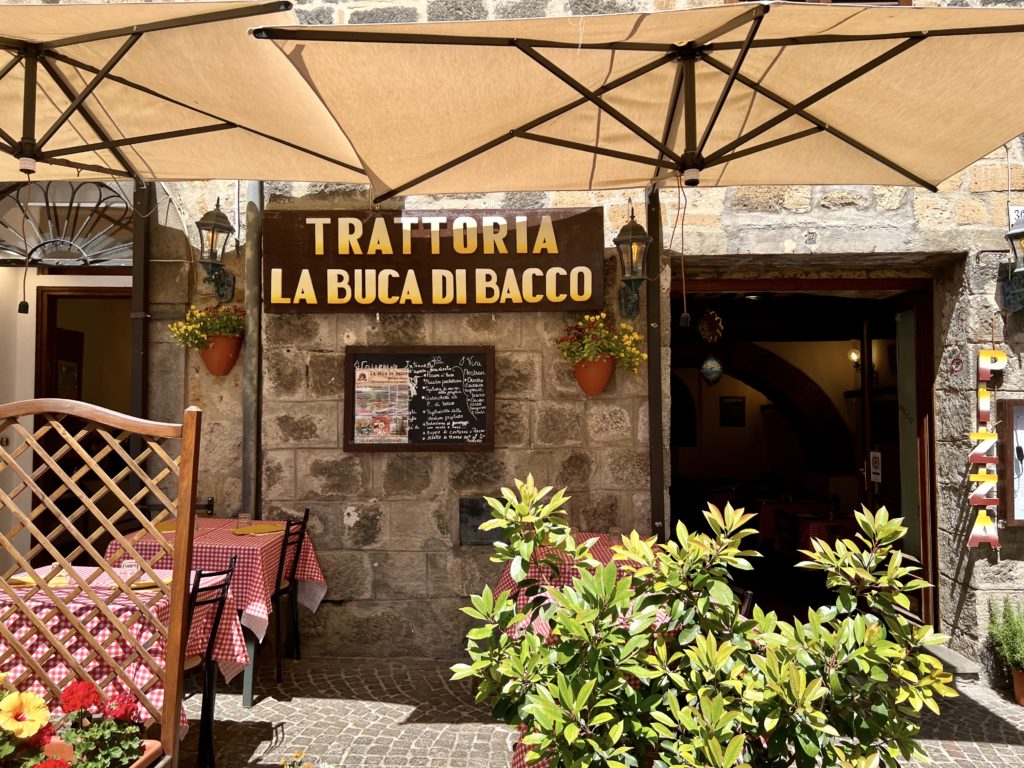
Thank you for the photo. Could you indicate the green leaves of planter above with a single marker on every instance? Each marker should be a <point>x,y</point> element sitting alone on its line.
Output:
<point>655,668</point>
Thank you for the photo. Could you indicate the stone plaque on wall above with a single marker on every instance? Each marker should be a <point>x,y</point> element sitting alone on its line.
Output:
<point>433,261</point>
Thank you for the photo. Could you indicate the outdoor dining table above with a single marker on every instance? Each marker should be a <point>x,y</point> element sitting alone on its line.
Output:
<point>229,648</point>
<point>257,558</point>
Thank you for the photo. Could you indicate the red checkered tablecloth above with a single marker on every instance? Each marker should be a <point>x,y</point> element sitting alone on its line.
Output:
<point>600,551</point>
<point>229,644</point>
<point>257,559</point>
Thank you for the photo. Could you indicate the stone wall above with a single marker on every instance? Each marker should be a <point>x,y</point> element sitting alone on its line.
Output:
<point>386,525</point>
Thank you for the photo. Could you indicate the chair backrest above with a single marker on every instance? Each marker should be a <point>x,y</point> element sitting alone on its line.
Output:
<point>291,549</point>
<point>69,486</point>
<point>210,588</point>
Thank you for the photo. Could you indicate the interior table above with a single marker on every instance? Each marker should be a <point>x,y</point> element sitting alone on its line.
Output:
<point>257,558</point>
<point>229,650</point>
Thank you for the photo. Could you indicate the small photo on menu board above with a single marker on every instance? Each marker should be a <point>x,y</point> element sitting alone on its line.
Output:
<point>419,399</point>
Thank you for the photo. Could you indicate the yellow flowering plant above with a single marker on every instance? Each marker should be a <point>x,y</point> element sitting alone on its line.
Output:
<point>199,324</point>
<point>597,336</point>
<point>24,726</point>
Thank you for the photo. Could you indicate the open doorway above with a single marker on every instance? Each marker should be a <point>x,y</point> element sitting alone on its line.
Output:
<point>802,404</point>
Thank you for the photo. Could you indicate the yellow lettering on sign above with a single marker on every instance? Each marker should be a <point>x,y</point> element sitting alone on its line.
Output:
<point>435,222</point>
<point>530,295</point>
<point>384,285</point>
<point>494,230</point>
<point>581,281</point>
<point>461,296</point>
<point>545,242</point>
<point>380,240</point>
<point>349,232</point>
<point>304,292</point>
<point>442,286</point>
<point>276,296</point>
<point>510,288</point>
<point>522,242</point>
<point>464,234</point>
<point>366,286</point>
<point>407,222</point>
<point>411,289</point>
<point>487,291</point>
<point>318,234</point>
<point>551,284</point>
<point>339,291</point>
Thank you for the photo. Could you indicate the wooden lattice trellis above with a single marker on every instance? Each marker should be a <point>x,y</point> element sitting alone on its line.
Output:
<point>71,485</point>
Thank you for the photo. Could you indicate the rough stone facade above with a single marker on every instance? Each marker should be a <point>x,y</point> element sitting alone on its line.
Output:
<point>385,525</point>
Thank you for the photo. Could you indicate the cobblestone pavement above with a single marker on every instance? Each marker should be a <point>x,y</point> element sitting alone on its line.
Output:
<point>405,712</point>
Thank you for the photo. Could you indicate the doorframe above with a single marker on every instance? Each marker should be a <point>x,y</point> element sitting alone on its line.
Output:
<point>922,290</point>
<point>46,303</point>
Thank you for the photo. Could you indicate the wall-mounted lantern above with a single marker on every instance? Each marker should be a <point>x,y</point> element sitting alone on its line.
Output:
<point>215,231</point>
<point>854,357</point>
<point>632,243</point>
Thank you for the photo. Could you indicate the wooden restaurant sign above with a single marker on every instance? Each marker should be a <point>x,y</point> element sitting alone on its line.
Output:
<point>439,261</point>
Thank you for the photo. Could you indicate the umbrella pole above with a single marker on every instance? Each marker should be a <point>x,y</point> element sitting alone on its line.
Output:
<point>654,373</point>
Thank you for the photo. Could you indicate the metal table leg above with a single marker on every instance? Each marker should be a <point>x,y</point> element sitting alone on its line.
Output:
<point>247,674</point>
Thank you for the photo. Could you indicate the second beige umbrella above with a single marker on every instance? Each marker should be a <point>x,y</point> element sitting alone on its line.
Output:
<point>777,93</point>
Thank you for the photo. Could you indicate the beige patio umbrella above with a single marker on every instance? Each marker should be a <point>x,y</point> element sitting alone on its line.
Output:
<point>777,93</point>
<point>164,91</point>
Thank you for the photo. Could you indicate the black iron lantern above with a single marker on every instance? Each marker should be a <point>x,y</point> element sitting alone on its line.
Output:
<point>215,231</point>
<point>632,243</point>
<point>1013,284</point>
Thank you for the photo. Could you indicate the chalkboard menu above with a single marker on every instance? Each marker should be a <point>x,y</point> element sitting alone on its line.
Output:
<point>419,399</point>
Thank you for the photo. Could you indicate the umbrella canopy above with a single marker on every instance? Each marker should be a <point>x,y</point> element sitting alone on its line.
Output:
<point>168,91</point>
<point>776,93</point>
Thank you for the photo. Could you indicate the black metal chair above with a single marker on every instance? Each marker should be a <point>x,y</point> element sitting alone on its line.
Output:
<point>206,593</point>
<point>291,549</point>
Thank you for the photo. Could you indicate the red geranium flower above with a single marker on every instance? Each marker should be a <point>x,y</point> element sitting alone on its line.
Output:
<point>42,737</point>
<point>79,696</point>
<point>53,762</point>
<point>121,707</point>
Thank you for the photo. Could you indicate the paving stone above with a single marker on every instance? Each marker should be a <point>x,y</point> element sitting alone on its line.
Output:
<point>406,712</point>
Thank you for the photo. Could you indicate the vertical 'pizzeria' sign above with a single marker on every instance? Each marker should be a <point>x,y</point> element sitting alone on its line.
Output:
<point>983,459</point>
<point>438,261</point>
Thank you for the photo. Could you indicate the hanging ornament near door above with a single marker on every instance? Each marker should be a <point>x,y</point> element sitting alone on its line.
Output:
<point>711,370</point>
<point>710,326</point>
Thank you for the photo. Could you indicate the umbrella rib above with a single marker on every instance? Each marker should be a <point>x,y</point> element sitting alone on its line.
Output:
<point>670,118</point>
<point>736,67</point>
<point>69,92</point>
<point>815,97</point>
<point>137,140</point>
<point>766,145</point>
<point>755,13</point>
<point>15,60</point>
<point>311,34</point>
<point>829,129</point>
<point>244,11</point>
<point>89,88</point>
<point>783,42</point>
<point>626,78</point>
<point>596,150</point>
<point>82,166</point>
<point>596,100</point>
<point>170,100</point>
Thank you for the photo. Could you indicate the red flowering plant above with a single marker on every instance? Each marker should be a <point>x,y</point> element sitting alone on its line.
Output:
<point>103,734</point>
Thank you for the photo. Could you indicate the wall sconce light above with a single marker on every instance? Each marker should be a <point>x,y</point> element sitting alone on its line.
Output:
<point>214,232</point>
<point>1013,284</point>
<point>632,243</point>
<point>854,357</point>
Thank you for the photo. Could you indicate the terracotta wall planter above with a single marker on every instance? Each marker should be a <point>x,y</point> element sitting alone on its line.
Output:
<point>219,358</point>
<point>593,375</point>
<point>61,750</point>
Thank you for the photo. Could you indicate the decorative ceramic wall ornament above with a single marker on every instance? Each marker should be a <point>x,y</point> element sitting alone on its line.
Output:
<point>710,326</point>
<point>985,480</point>
<point>711,370</point>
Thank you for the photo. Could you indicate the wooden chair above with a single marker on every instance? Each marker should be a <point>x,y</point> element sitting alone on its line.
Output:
<point>208,588</point>
<point>79,474</point>
<point>291,549</point>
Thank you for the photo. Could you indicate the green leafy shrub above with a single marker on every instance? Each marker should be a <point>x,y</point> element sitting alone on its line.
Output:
<point>658,668</point>
<point>1006,633</point>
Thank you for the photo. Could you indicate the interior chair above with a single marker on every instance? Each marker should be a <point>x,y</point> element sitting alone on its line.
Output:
<point>291,550</point>
<point>208,588</point>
